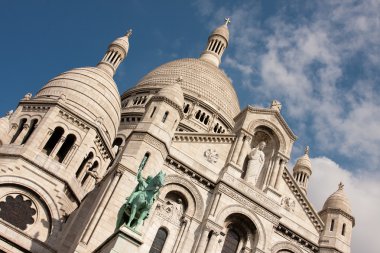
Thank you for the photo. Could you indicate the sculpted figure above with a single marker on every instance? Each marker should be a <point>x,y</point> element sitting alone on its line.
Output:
<point>138,204</point>
<point>255,163</point>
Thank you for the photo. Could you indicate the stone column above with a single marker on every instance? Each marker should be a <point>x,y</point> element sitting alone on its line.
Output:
<point>70,154</point>
<point>215,203</point>
<point>279,175</point>
<point>203,241</point>
<point>21,136</point>
<point>100,208</point>
<point>243,151</point>
<point>57,146</point>
<point>238,145</point>
<point>213,241</point>
<point>275,169</point>
<point>178,243</point>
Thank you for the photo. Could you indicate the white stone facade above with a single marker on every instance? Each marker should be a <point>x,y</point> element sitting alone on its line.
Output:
<point>69,158</point>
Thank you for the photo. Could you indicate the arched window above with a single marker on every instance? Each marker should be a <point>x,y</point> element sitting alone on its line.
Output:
<point>231,242</point>
<point>159,241</point>
<point>33,126</point>
<point>84,163</point>
<point>186,109</point>
<point>20,127</point>
<point>66,146</point>
<point>154,109</point>
<point>53,140</point>
<point>165,117</point>
<point>198,114</point>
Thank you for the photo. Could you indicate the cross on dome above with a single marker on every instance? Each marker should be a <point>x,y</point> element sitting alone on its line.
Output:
<point>129,33</point>
<point>307,149</point>
<point>228,20</point>
<point>340,186</point>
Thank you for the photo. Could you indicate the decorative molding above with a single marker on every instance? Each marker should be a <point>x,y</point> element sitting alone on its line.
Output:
<point>73,120</point>
<point>189,173</point>
<point>208,138</point>
<point>303,201</point>
<point>101,147</point>
<point>248,203</point>
<point>298,239</point>
<point>278,116</point>
<point>35,108</point>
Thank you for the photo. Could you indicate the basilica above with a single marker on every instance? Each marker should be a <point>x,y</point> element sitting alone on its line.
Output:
<point>171,165</point>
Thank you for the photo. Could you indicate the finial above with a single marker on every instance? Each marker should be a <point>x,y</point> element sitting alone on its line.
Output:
<point>276,105</point>
<point>179,79</point>
<point>340,186</point>
<point>307,149</point>
<point>228,20</point>
<point>129,33</point>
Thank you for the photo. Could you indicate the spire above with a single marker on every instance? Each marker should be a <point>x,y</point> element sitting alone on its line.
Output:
<point>217,43</point>
<point>303,170</point>
<point>115,54</point>
<point>307,149</point>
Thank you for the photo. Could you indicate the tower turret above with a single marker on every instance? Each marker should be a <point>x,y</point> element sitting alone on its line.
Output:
<point>302,170</point>
<point>339,221</point>
<point>217,43</point>
<point>115,54</point>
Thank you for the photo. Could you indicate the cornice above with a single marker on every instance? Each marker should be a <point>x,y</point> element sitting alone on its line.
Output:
<point>303,201</point>
<point>338,211</point>
<point>199,137</point>
<point>293,236</point>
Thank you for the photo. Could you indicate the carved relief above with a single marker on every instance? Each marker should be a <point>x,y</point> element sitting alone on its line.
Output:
<point>211,155</point>
<point>171,210</point>
<point>288,203</point>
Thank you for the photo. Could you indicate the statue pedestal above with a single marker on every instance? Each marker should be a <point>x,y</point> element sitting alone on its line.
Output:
<point>123,240</point>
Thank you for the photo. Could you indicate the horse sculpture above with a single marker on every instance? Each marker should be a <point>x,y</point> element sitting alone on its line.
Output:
<point>140,201</point>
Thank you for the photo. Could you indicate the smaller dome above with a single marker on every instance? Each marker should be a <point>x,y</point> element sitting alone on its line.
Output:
<point>173,92</point>
<point>338,200</point>
<point>222,31</point>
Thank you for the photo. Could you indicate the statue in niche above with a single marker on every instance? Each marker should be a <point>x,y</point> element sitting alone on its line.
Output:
<point>255,163</point>
<point>136,209</point>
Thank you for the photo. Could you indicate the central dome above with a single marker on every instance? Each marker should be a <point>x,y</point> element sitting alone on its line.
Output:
<point>201,80</point>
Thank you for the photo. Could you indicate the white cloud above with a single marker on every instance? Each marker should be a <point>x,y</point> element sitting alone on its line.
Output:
<point>364,195</point>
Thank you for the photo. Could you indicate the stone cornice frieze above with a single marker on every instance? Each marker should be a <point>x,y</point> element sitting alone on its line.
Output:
<point>303,201</point>
<point>169,102</point>
<point>190,174</point>
<point>298,239</point>
<point>209,138</point>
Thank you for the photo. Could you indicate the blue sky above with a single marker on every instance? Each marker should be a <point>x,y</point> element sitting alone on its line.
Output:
<point>321,59</point>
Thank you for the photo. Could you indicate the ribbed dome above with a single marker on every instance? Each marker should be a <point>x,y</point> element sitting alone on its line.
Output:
<point>201,80</point>
<point>338,200</point>
<point>173,92</point>
<point>91,93</point>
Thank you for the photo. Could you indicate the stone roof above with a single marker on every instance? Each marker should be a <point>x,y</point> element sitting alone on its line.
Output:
<point>338,200</point>
<point>201,80</point>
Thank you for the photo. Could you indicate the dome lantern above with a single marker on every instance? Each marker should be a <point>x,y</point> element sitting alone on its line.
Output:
<point>115,54</point>
<point>217,43</point>
<point>302,170</point>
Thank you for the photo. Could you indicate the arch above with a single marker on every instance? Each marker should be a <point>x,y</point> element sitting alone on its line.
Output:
<point>19,129</point>
<point>260,239</point>
<point>283,148</point>
<point>195,206</point>
<point>86,160</point>
<point>32,127</point>
<point>66,147</point>
<point>43,194</point>
<point>286,246</point>
<point>53,140</point>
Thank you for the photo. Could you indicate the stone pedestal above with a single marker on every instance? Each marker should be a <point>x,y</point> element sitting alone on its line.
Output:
<point>123,240</point>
